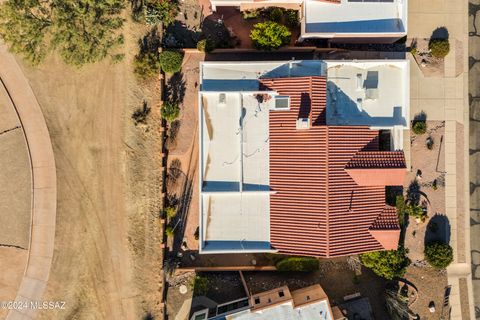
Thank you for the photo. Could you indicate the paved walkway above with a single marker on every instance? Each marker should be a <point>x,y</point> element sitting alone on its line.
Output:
<point>447,99</point>
<point>44,184</point>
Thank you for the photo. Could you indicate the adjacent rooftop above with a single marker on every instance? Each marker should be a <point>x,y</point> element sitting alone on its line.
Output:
<point>329,18</point>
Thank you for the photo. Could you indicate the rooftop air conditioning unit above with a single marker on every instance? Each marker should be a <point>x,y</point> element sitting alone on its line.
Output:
<point>282,103</point>
<point>222,100</point>
<point>303,123</point>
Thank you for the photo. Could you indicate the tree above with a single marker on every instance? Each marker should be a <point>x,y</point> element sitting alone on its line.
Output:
<point>438,254</point>
<point>161,11</point>
<point>200,285</point>
<point>81,31</point>
<point>147,65</point>
<point>439,48</point>
<point>169,231</point>
<point>416,211</point>
<point>388,263</point>
<point>171,61</point>
<point>269,35</point>
<point>24,25</point>
<point>170,111</point>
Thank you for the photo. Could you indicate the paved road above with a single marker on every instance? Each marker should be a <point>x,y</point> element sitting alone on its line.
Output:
<point>44,186</point>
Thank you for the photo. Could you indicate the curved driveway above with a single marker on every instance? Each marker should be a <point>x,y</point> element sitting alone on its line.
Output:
<point>44,184</point>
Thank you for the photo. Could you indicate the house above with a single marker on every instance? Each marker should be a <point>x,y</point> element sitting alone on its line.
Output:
<point>295,156</point>
<point>303,304</point>
<point>380,21</point>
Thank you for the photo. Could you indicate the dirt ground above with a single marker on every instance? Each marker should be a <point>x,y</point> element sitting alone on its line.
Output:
<point>430,66</point>
<point>12,264</point>
<point>107,259</point>
<point>431,287</point>
<point>431,163</point>
<point>184,148</point>
<point>15,174</point>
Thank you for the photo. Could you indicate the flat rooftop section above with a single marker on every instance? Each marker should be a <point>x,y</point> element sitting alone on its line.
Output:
<point>374,93</point>
<point>235,191</point>
<point>243,76</point>
<point>236,222</point>
<point>354,17</point>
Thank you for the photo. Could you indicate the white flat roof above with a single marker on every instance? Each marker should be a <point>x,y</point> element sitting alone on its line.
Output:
<point>355,17</point>
<point>235,191</point>
<point>368,93</point>
<point>318,310</point>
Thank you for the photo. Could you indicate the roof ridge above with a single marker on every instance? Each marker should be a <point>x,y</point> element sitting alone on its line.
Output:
<point>327,207</point>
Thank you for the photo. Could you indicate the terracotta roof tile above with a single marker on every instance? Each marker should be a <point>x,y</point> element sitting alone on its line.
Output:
<point>318,209</point>
<point>377,159</point>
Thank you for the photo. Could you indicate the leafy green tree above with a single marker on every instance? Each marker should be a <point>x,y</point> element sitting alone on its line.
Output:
<point>388,263</point>
<point>269,35</point>
<point>416,211</point>
<point>81,31</point>
<point>147,65</point>
<point>438,254</point>
<point>169,231</point>
<point>171,61</point>
<point>161,11</point>
<point>24,25</point>
<point>170,111</point>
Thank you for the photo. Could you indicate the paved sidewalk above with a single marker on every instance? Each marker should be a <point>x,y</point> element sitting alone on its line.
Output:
<point>44,190</point>
<point>446,99</point>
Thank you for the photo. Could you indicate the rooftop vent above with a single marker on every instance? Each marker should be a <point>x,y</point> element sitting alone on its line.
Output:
<point>222,100</point>
<point>282,103</point>
<point>303,123</point>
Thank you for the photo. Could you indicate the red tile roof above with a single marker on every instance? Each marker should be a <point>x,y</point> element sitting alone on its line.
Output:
<point>318,209</point>
<point>377,159</point>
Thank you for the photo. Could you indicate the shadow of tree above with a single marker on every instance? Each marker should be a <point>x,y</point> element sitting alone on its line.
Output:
<point>178,35</point>
<point>151,42</point>
<point>438,229</point>
<point>440,33</point>
<point>175,88</point>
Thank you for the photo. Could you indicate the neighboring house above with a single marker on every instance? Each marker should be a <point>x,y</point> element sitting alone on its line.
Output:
<point>340,20</point>
<point>295,156</point>
<point>280,304</point>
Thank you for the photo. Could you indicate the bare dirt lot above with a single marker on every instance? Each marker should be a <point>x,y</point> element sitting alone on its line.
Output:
<point>107,259</point>
<point>12,264</point>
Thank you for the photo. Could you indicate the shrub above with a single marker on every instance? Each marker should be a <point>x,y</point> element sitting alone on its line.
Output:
<point>416,211</point>
<point>400,205</point>
<point>140,115</point>
<point>170,212</point>
<point>303,264</point>
<point>169,231</point>
<point>251,14</point>
<point>419,127</point>
<point>200,285</point>
<point>291,18</point>
<point>439,48</point>
<point>276,14</point>
<point>438,254</point>
<point>387,264</point>
<point>147,65</point>
<point>205,45</point>
<point>171,61</point>
<point>170,111</point>
<point>269,35</point>
<point>160,11</point>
